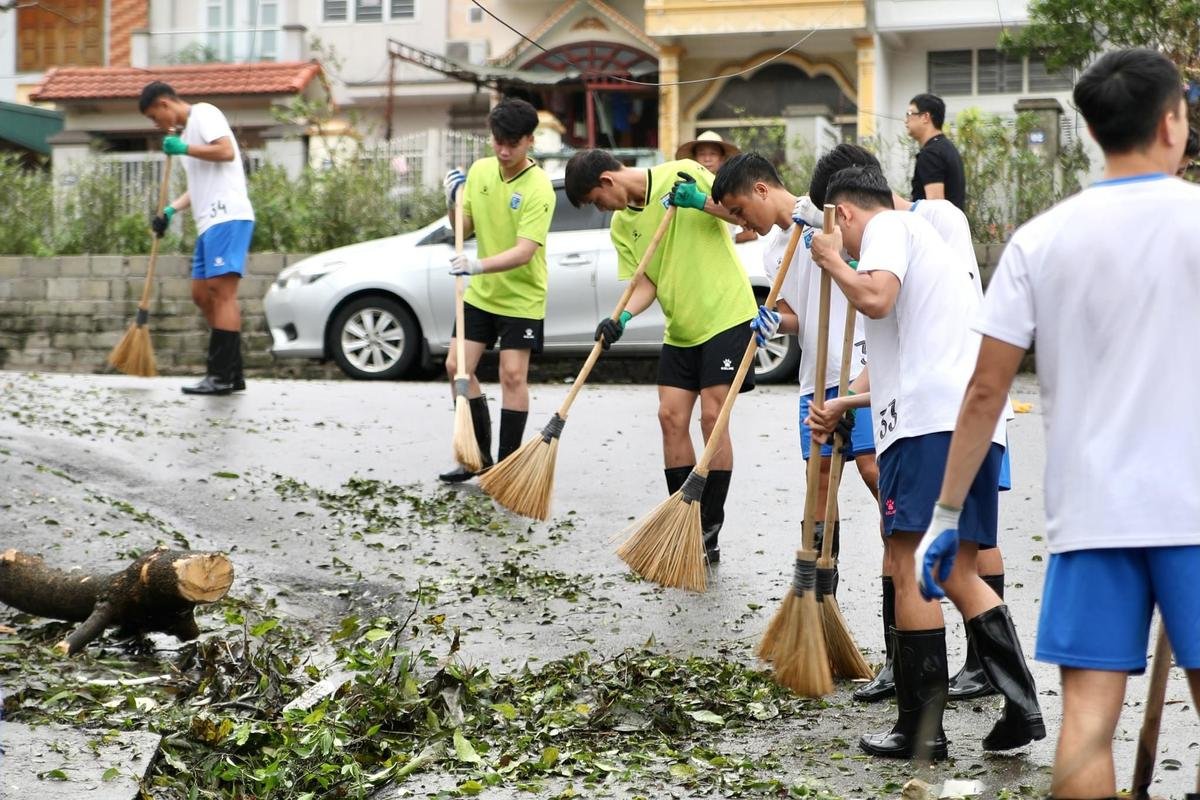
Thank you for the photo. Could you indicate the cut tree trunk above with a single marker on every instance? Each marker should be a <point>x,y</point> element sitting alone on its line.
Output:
<point>156,593</point>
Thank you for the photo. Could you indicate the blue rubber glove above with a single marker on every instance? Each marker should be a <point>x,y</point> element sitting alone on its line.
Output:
<point>936,552</point>
<point>174,146</point>
<point>453,181</point>
<point>686,194</point>
<point>161,222</point>
<point>765,325</point>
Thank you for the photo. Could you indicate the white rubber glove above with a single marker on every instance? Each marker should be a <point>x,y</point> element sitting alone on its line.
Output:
<point>465,265</point>
<point>454,180</point>
<point>936,552</point>
<point>804,211</point>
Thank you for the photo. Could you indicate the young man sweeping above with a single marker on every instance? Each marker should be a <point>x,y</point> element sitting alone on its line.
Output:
<point>508,204</point>
<point>918,303</point>
<point>704,293</point>
<point>1122,537</point>
<point>216,194</point>
<point>969,682</point>
<point>749,187</point>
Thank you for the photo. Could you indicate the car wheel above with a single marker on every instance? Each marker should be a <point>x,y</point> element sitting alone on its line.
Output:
<point>779,361</point>
<point>374,338</point>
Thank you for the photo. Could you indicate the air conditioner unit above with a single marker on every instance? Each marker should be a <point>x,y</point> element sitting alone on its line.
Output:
<point>474,51</point>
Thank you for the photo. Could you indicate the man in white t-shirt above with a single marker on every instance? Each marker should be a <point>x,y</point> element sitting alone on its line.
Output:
<point>217,195</point>
<point>749,187</point>
<point>951,223</point>
<point>1122,451</point>
<point>911,287</point>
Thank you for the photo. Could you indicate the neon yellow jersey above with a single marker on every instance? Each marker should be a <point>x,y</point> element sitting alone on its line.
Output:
<point>702,286</point>
<point>502,212</point>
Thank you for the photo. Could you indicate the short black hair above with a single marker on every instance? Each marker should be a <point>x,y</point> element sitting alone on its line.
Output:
<point>512,119</point>
<point>934,105</point>
<point>1124,94</point>
<point>1192,148</point>
<point>584,171</point>
<point>864,186</point>
<point>836,160</point>
<point>739,174</point>
<point>151,92</point>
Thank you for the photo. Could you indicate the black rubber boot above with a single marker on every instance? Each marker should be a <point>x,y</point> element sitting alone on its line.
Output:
<point>481,420</point>
<point>222,354</point>
<point>239,376</point>
<point>512,432</point>
<point>712,511</point>
<point>818,544</point>
<point>1000,655</point>
<point>921,678</point>
<point>675,477</point>
<point>883,685</point>
<point>970,682</point>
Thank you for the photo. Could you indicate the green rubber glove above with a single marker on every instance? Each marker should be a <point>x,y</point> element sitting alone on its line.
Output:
<point>686,194</point>
<point>174,146</point>
<point>624,318</point>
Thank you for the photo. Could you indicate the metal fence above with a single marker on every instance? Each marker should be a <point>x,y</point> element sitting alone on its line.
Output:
<point>139,175</point>
<point>422,158</point>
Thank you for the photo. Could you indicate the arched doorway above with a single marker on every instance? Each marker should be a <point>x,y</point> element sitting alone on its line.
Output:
<point>597,109</point>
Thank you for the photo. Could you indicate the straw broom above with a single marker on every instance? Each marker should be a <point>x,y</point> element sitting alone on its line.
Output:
<point>134,354</point>
<point>524,482</point>
<point>466,448</point>
<point>667,546</point>
<point>845,660</point>
<point>795,639</point>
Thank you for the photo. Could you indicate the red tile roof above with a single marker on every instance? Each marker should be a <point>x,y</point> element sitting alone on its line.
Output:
<point>192,80</point>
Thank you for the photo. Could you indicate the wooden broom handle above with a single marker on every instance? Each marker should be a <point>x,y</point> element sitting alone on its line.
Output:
<point>714,438</point>
<point>813,482</point>
<point>838,461</point>
<point>598,347</point>
<point>1156,695</point>
<point>460,347</point>
<point>163,187</point>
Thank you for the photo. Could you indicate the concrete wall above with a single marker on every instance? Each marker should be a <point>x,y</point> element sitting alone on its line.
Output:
<point>65,314</point>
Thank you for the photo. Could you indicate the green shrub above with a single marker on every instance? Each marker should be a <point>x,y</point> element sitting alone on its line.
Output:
<point>27,208</point>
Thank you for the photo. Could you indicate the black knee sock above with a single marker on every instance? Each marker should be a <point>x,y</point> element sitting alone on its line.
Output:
<point>512,431</point>
<point>712,502</point>
<point>676,476</point>
<point>996,582</point>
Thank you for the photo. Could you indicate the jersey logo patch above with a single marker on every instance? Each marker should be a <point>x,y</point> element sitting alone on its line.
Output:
<point>515,201</point>
<point>218,261</point>
<point>727,365</point>
<point>529,333</point>
<point>666,200</point>
<point>808,237</point>
<point>890,507</point>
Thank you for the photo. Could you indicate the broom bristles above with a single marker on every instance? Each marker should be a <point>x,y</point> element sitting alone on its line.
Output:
<point>667,546</point>
<point>524,482</point>
<point>466,448</point>
<point>845,660</point>
<point>134,354</point>
<point>785,617</point>
<point>801,659</point>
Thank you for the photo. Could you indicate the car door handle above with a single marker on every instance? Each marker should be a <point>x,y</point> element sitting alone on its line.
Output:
<point>574,260</point>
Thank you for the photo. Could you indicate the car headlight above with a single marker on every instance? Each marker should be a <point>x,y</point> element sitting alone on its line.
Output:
<point>311,274</point>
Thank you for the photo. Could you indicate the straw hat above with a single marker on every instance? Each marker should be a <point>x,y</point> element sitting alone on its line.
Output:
<point>688,149</point>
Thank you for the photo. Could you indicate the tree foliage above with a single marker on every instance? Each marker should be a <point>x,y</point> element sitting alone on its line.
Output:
<point>1069,33</point>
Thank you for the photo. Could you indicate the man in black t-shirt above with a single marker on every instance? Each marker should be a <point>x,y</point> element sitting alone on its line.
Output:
<point>939,171</point>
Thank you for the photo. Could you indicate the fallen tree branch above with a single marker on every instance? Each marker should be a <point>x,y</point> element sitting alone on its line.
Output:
<point>156,593</point>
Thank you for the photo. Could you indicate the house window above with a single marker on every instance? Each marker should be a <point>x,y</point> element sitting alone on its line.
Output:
<point>241,30</point>
<point>404,9</point>
<point>950,72</point>
<point>474,14</point>
<point>59,34</point>
<point>335,10</point>
<point>368,10</point>
<point>999,73</point>
<point>1042,80</point>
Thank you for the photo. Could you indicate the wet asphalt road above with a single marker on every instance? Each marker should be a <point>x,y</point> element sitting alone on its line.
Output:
<point>140,442</point>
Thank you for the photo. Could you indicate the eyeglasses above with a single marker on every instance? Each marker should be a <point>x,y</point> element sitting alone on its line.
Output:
<point>908,114</point>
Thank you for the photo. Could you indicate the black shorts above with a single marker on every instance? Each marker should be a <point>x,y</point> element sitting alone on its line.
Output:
<point>710,363</point>
<point>513,333</point>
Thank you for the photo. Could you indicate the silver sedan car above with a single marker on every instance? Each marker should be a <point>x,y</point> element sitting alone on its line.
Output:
<point>382,307</point>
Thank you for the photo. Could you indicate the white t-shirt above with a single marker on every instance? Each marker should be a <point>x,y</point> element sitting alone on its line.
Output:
<point>952,225</point>
<point>1116,319</point>
<point>217,188</point>
<point>802,291</point>
<point>923,352</point>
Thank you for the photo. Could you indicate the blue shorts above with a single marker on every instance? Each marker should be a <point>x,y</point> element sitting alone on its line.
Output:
<point>910,480</point>
<point>1005,479</point>
<point>1097,604</point>
<point>222,249</point>
<point>862,438</point>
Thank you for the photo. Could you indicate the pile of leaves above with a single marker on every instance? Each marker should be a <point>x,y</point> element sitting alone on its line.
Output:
<point>237,722</point>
